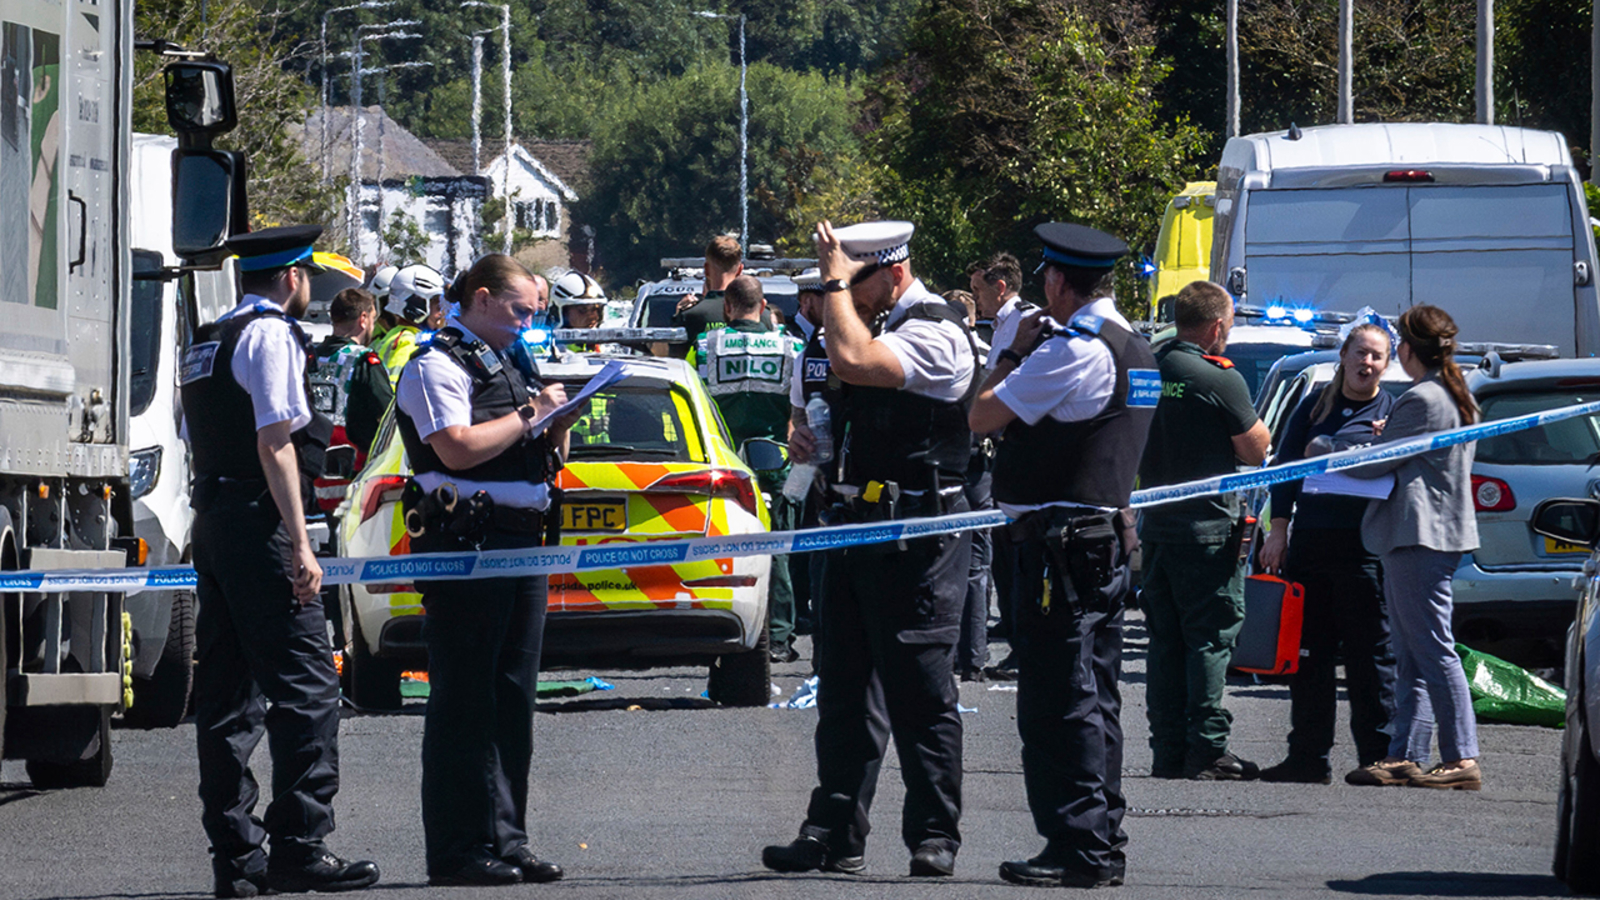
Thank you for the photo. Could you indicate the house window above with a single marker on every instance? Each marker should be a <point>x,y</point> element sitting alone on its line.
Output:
<point>552,218</point>
<point>436,221</point>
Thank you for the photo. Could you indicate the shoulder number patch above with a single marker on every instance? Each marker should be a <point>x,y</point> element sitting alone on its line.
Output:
<point>1144,388</point>
<point>198,362</point>
<point>1221,362</point>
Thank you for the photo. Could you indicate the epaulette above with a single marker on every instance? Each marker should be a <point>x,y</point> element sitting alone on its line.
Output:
<point>1221,362</point>
<point>371,359</point>
<point>1087,324</point>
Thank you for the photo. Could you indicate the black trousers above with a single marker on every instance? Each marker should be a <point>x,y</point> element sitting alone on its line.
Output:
<point>264,665</point>
<point>885,646</point>
<point>484,638</point>
<point>1345,616</point>
<point>972,651</point>
<point>1069,709</point>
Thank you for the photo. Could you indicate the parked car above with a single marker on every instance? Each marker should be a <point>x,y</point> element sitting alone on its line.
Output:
<point>1576,523</point>
<point>1253,345</point>
<point>655,302</point>
<point>650,460</point>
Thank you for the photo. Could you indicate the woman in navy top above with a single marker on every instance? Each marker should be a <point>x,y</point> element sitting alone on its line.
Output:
<point>1344,604</point>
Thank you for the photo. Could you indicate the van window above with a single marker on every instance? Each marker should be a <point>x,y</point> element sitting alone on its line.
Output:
<point>144,332</point>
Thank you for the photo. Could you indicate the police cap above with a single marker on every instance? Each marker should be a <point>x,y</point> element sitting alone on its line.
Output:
<point>883,243</point>
<point>276,248</point>
<point>1071,244</point>
<point>809,280</point>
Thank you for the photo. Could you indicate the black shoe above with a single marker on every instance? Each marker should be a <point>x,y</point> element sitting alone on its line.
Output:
<point>933,860</point>
<point>973,673</point>
<point>1298,771</point>
<point>534,870</point>
<point>1005,670</point>
<point>480,871</point>
<point>783,653</point>
<point>1040,872</point>
<point>228,881</point>
<point>804,626</point>
<point>1226,767</point>
<point>806,853</point>
<point>318,870</point>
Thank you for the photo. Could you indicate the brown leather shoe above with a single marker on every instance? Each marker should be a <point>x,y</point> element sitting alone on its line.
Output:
<point>1382,774</point>
<point>1462,778</point>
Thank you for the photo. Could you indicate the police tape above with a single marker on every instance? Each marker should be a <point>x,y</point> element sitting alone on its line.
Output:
<point>568,559</point>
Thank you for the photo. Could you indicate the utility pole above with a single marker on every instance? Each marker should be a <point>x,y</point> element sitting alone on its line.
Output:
<point>477,102</point>
<point>327,146</point>
<point>1347,29</point>
<point>1485,84</point>
<point>357,126</point>
<point>505,76</point>
<point>1233,69</point>
<point>383,84</point>
<point>744,136</point>
<point>1594,98</point>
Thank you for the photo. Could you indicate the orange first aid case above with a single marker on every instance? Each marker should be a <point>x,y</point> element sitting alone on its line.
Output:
<point>1269,640</point>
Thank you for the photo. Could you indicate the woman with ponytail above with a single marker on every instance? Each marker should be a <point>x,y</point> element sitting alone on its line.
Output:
<point>1420,531</point>
<point>1344,609</point>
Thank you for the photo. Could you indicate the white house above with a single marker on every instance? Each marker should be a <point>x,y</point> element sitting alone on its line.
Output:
<point>545,179</point>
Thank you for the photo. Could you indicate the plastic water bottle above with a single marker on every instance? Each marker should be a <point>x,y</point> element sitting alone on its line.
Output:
<point>798,484</point>
<point>820,418</point>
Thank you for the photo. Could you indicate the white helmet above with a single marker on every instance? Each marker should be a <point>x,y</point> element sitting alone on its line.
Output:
<point>576,289</point>
<point>381,280</point>
<point>411,289</point>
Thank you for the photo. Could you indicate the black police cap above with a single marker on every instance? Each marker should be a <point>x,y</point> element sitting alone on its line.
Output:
<point>276,248</point>
<point>1071,244</point>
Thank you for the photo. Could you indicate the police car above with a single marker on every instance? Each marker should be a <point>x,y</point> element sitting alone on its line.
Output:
<point>650,460</point>
<point>656,301</point>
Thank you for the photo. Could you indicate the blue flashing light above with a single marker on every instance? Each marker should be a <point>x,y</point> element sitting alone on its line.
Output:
<point>536,336</point>
<point>1276,312</point>
<point>1147,268</point>
<point>425,336</point>
<point>1304,315</point>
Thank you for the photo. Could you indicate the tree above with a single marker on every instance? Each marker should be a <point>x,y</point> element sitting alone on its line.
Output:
<point>1007,113</point>
<point>269,95</point>
<point>666,159</point>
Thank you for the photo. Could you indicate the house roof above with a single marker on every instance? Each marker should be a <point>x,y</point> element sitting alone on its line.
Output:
<point>404,154</point>
<point>568,160</point>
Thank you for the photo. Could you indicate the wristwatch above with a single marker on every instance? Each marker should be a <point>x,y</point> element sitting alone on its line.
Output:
<point>835,285</point>
<point>1014,356</point>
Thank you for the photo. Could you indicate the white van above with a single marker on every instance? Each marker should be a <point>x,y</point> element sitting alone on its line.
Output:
<point>1485,221</point>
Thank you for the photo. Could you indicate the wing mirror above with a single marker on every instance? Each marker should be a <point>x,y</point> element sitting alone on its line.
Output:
<point>765,454</point>
<point>340,462</point>
<point>200,97</point>
<point>1568,521</point>
<point>208,200</point>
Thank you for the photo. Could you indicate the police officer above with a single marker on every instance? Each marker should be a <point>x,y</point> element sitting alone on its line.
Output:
<point>349,385</point>
<point>891,613</point>
<point>747,368</point>
<point>1193,594</point>
<point>485,453</point>
<point>414,294</point>
<point>1074,393</point>
<point>261,635</point>
<point>813,377</point>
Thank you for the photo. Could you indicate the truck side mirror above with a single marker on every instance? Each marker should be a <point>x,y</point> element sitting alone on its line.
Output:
<point>204,193</point>
<point>200,97</point>
<point>1568,521</point>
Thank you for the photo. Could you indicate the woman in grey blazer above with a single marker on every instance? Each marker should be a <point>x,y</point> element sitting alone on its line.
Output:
<point>1420,531</point>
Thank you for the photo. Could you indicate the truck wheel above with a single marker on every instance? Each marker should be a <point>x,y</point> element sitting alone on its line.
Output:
<point>743,678</point>
<point>92,772</point>
<point>161,700</point>
<point>374,681</point>
<point>1580,808</point>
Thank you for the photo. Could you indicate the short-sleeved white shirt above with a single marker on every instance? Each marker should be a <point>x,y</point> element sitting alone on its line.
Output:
<point>1068,378</point>
<point>935,355</point>
<point>437,393</point>
<point>1006,320</point>
<point>270,364</point>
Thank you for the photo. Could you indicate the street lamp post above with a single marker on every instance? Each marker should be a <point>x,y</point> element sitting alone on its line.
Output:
<point>382,96</point>
<point>357,126</point>
<point>505,76</point>
<point>477,101</point>
<point>744,136</point>
<point>327,155</point>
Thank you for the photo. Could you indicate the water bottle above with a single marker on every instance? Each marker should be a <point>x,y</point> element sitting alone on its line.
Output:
<point>820,418</point>
<point>798,484</point>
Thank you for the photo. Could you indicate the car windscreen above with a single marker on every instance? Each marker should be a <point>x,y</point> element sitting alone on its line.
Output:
<point>144,331</point>
<point>626,423</point>
<point>1254,361</point>
<point>1565,443</point>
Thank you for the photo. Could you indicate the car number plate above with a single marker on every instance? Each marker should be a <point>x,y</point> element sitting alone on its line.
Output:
<point>595,515</point>
<point>1551,545</point>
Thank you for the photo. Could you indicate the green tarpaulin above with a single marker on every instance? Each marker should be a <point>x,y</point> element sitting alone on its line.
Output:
<point>1505,692</point>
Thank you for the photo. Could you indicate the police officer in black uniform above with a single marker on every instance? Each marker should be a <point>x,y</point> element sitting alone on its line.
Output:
<point>484,452</point>
<point>262,636</point>
<point>813,377</point>
<point>1074,392</point>
<point>891,613</point>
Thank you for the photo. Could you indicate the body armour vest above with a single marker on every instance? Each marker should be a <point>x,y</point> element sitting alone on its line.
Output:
<point>221,417</point>
<point>498,389</point>
<point>330,380</point>
<point>1092,462</point>
<point>816,373</point>
<point>887,434</point>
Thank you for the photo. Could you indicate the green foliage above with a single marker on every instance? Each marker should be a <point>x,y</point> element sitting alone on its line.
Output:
<point>1592,194</point>
<point>1541,72</point>
<point>248,34</point>
<point>404,238</point>
<point>665,167</point>
<point>1008,113</point>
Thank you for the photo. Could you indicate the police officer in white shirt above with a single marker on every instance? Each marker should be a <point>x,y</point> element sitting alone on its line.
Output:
<point>261,634</point>
<point>1075,393</point>
<point>483,480</point>
<point>891,613</point>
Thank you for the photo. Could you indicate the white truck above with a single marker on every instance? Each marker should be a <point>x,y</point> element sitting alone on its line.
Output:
<point>74,296</point>
<point>1488,222</point>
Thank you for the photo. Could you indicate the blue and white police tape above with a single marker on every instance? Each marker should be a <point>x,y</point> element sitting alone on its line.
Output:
<point>566,559</point>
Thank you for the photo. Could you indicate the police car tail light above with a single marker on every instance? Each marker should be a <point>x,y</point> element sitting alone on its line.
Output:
<point>381,490</point>
<point>1491,494</point>
<point>728,483</point>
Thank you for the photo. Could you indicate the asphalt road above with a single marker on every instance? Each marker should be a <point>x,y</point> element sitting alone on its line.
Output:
<point>649,791</point>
